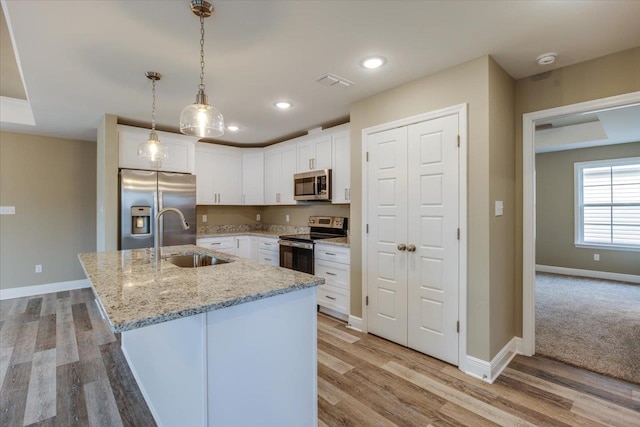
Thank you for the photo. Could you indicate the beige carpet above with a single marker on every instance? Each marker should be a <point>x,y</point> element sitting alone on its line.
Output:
<point>590,323</point>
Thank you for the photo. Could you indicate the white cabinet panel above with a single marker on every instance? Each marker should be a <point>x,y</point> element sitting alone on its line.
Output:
<point>222,244</point>
<point>333,264</point>
<point>253,176</point>
<point>269,250</point>
<point>180,150</point>
<point>314,154</point>
<point>341,173</point>
<point>280,166</point>
<point>247,247</point>
<point>218,175</point>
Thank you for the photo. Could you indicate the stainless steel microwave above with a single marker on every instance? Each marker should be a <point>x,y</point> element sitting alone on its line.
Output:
<point>314,185</point>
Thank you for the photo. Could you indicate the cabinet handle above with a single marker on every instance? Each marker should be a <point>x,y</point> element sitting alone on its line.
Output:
<point>267,244</point>
<point>411,248</point>
<point>310,167</point>
<point>329,253</point>
<point>345,194</point>
<point>327,296</point>
<point>215,243</point>
<point>267,259</point>
<point>329,273</point>
<point>402,247</point>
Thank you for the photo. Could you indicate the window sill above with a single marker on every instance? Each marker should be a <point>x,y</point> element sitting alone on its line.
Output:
<point>607,247</point>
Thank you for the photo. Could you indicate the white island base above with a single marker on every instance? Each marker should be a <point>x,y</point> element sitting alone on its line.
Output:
<point>252,364</point>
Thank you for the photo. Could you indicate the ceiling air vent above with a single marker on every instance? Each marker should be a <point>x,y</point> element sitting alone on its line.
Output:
<point>333,80</point>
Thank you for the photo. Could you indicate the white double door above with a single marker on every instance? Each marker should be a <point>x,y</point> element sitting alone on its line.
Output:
<point>413,217</point>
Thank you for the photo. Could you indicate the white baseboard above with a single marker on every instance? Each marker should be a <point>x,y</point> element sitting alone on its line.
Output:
<point>355,323</point>
<point>588,273</point>
<point>489,371</point>
<point>332,313</point>
<point>28,291</point>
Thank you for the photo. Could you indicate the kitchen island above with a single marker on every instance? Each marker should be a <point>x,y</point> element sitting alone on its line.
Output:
<point>225,345</point>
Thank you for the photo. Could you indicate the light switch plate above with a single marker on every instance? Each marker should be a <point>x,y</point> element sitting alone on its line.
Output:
<point>7,210</point>
<point>204,218</point>
<point>286,218</point>
<point>499,208</point>
<point>257,217</point>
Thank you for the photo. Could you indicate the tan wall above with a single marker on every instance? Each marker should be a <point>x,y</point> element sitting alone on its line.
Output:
<point>501,187</point>
<point>465,83</point>
<point>555,212</point>
<point>272,215</point>
<point>52,184</point>
<point>610,75</point>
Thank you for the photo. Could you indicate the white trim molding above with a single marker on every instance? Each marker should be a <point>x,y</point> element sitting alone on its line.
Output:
<point>529,199</point>
<point>16,111</point>
<point>29,291</point>
<point>606,275</point>
<point>490,371</point>
<point>462,111</point>
<point>355,323</point>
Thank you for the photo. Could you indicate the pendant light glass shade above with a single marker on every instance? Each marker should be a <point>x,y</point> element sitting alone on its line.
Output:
<point>201,119</point>
<point>152,149</point>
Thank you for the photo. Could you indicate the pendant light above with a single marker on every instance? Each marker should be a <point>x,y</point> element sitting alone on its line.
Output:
<point>201,119</point>
<point>152,148</point>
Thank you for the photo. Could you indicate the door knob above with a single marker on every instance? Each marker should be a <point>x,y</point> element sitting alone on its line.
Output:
<point>411,248</point>
<point>402,247</point>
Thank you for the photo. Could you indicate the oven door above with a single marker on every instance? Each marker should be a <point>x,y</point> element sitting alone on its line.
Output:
<point>296,256</point>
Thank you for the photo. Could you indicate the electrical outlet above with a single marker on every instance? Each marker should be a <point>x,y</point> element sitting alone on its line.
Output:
<point>39,268</point>
<point>204,218</point>
<point>596,257</point>
<point>257,217</point>
<point>286,218</point>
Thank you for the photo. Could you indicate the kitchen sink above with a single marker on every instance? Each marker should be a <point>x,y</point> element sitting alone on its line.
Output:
<point>194,260</point>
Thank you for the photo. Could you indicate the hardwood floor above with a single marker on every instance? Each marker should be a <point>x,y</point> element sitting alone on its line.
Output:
<point>61,366</point>
<point>364,380</point>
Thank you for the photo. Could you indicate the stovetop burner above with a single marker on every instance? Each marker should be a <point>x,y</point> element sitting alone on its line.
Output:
<point>311,237</point>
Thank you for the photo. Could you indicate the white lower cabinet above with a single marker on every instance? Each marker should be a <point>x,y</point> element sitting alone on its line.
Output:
<point>269,250</point>
<point>333,264</point>
<point>247,247</point>
<point>222,244</point>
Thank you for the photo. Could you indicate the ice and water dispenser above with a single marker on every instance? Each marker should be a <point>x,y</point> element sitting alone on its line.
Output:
<point>140,220</point>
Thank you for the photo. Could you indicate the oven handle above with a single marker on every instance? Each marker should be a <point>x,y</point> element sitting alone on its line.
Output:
<point>293,244</point>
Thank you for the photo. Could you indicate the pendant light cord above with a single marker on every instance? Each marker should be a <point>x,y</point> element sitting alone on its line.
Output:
<point>201,86</point>
<point>153,105</point>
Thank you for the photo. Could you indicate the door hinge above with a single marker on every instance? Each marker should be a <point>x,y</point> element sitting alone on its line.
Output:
<point>367,156</point>
<point>367,228</point>
<point>458,326</point>
<point>458,140</point>
<point>366,300</point>
<point>458,234</point>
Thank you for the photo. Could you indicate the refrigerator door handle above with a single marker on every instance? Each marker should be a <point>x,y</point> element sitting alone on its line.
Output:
<point>161,223</point>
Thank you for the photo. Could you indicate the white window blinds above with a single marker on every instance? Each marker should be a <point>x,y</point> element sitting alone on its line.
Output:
<point>608,202</point>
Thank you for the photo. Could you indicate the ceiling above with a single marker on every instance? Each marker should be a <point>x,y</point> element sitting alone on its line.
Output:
<point>81,60</point>
<point>610,126</point>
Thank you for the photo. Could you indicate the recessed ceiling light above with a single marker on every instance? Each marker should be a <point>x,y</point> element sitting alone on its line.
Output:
<point>283,105</point>
<point>233,128</point>
<point>373,62</point>
<point>547,58</point>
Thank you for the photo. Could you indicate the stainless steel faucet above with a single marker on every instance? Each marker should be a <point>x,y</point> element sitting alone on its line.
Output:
<point>156,241</point>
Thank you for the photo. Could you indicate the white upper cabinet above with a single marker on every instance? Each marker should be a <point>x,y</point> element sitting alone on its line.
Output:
<point>181,150</point>
<point>314,153</point>
<point>253,176</point>
<point>279,168</point>
<point>219,175</point>
<point>341,174</point>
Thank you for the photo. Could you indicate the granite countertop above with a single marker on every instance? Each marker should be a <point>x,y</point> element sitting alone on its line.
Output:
<point>135,293</point>
<point>336,241</point>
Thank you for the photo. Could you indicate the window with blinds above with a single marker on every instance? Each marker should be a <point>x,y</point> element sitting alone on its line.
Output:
<point>608,203</point>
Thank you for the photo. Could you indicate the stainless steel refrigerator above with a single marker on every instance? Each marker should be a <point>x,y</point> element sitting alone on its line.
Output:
<point>143,194</point>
